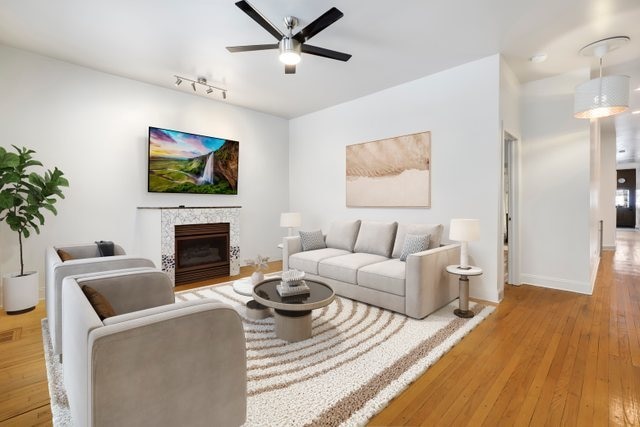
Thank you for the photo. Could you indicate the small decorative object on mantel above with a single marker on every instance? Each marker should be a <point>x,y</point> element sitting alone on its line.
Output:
<point>260,263</point>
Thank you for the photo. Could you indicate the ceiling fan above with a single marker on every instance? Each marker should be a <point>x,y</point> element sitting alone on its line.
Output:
<point>290,45</point>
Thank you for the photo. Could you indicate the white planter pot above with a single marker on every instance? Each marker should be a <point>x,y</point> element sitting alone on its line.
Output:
<point>20,293</point>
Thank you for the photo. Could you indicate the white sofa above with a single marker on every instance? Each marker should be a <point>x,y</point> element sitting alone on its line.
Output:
<point>156,362</point>
<point>86,259</point>
<point>361,262</point>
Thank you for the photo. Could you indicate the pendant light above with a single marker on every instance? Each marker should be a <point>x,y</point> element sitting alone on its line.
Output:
<point>603,96</point>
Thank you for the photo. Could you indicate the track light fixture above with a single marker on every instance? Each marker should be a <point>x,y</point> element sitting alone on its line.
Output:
<point>201,81</point>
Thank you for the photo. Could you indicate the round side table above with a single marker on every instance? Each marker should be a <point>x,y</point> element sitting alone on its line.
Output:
<point>463,283</point>
<point>253,309</point>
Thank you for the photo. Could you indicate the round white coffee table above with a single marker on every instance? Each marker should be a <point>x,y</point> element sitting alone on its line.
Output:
<point>293,313</point>
<point>253,309</point>
<point>463,285</point>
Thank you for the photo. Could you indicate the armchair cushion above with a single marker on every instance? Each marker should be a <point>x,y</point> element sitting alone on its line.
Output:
<point>99,303</point>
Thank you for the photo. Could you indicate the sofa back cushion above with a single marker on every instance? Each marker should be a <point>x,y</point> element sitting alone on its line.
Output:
<point>376,238</point>
<point>342,235</point>
<point>433,230</point>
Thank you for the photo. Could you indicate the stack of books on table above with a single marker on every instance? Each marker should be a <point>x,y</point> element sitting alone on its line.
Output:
<point>286,289</point>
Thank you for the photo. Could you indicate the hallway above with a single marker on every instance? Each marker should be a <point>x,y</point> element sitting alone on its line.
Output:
<point>545,357</point>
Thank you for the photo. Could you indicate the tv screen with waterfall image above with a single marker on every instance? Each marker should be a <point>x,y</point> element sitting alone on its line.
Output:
<point>181,162</point>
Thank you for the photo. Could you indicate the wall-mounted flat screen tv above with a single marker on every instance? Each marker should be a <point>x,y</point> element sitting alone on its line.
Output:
<point>181,162</point>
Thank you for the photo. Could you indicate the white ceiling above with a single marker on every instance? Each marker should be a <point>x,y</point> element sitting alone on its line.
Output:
<point>391,43</point>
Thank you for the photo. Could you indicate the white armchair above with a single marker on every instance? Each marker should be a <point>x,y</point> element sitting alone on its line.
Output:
<point>156,362</point>
<point>86,259</point>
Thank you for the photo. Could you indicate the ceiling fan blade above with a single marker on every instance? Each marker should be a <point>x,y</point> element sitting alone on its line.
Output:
<point>251,47</point>
<point>325,53</point>
<point>289,69</point>
<point>261,20</point>
<point>326,19</point>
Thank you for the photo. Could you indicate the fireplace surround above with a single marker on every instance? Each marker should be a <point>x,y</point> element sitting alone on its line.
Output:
<point>155,230</point>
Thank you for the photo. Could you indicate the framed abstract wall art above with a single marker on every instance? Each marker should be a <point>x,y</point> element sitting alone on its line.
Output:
<point>393,172</point>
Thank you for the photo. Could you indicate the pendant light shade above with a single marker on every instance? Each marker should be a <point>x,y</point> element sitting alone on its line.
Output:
<point>601,97</point>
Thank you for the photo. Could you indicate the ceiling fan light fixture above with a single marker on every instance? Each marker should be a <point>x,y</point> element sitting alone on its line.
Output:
<point>289,51</point>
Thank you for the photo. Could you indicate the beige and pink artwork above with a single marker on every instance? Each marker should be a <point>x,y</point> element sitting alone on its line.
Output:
<point>394,172</point>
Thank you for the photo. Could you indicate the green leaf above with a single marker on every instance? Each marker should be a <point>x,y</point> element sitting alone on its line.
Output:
<point>6,200</point>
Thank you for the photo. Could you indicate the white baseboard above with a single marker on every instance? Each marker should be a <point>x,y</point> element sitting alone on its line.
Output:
<point>556,283</point>
<point>609,247</point>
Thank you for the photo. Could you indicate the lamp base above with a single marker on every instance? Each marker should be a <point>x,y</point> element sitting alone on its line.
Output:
<point>465,314</point>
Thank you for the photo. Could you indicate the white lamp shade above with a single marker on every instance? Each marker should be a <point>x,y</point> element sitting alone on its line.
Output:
<point>464,230</point>
<point>601,97</point>
<point>290,219</point>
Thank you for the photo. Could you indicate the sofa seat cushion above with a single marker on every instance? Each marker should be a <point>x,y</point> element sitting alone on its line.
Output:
<point>387,276</point>
<point>308,261</point>
<point>345,268</point>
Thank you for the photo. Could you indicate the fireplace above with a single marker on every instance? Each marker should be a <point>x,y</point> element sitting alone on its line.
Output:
<point>201,252</point>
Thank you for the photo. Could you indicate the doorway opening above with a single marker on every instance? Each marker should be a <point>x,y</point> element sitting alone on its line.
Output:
<point>510,186</point>
<point>626,198</point>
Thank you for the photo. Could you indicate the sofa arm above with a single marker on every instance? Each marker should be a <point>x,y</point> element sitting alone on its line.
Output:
<point>129,291</point>
<point>290,245</point>
<point>428,285</point>
<point>193,357</point>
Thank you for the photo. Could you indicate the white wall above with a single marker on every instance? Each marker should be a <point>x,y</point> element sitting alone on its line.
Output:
<point>608,186</point>
<point>555,196</point>
<point>460,108</point>
<point>93,126</point>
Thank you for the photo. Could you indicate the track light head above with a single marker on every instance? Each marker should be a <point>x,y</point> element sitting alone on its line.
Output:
<point>178,81</point>
<point>209,90</point>
<point>193,85</point>
<point>224,94</point>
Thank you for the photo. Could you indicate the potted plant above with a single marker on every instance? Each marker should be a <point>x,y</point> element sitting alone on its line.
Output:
<point>260,263</point>
<point>24,197</point>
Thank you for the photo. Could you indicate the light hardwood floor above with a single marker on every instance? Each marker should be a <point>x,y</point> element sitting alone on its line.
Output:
<point>544,357</point>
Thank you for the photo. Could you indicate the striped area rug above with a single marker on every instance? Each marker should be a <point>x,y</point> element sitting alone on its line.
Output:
<point>359,358</point>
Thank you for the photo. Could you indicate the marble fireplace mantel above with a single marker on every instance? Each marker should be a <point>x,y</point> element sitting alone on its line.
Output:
<point>155,226</point>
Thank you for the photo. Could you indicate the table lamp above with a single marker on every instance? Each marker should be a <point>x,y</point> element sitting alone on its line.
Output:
<point>290,220</point>
<point>463,231</point>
